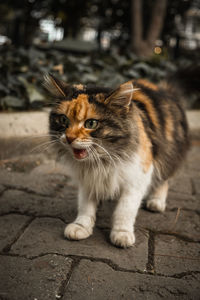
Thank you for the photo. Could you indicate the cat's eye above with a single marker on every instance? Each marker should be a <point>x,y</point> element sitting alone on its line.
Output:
<point>64,121</point>
<point>91,124</point>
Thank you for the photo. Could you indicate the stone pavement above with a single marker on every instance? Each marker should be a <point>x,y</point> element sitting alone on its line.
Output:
<point>37,200</point>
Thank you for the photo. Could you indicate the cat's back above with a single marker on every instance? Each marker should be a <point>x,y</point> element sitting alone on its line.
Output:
<point>160,105</point>
<point>164,123</point>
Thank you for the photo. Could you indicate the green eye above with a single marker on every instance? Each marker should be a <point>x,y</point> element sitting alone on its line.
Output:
<point>91,124</point>
<point>64,121</point>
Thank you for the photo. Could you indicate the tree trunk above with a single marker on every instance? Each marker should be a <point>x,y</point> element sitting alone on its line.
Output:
<point>144,46</point>
<point>136,22</point>
<point>157,21</point>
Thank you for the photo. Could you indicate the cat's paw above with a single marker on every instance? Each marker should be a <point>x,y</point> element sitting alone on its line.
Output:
<point>156,205</point>
<point>122,239</point>
<point>77,232</point>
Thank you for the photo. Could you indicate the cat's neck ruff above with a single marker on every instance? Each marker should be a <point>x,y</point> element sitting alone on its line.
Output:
<point>106,180</point>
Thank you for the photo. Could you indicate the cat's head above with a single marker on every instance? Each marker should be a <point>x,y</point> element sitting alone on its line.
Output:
<point>91,123</point>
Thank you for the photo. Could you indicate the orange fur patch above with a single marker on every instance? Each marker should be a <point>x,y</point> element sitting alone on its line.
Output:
<point>169,126</point>
<point>139,96</point>
<point>78,111</point>
<point>145,146</point>
<point>147,84</point>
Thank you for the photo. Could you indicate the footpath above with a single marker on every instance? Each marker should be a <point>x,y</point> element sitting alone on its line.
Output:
<point>37,200</point>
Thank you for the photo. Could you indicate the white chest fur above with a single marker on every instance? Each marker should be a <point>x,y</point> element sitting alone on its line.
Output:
<point>107,182</point>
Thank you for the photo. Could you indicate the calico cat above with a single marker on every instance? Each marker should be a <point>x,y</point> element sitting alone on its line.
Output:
<point>121,144</point>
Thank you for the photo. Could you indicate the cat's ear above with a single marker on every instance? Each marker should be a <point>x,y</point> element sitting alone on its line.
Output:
<point>122,96</point>
<point>56,87</point>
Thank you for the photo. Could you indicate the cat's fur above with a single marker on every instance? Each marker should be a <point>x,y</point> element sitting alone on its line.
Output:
<point>140,140</point>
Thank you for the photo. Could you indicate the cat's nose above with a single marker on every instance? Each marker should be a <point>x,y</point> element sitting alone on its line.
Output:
<point>70,139</point>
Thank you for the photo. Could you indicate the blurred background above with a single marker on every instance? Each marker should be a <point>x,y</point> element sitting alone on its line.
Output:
<point>100,42</point>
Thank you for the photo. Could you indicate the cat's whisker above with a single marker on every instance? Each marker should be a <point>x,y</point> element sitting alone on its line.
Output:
<point>106,152</point>
<point>63,153</point>
<point>101,165</point>
<point>39,136</point>
<point>41,147</point>
<point>29,139</point>
<point>96,158</point>
<point>117,157</point>
<point>113,155</point>
<point>36,139</point>
<point>48,147</point>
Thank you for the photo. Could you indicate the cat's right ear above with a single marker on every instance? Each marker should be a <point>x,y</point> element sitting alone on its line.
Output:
<point>121,97</point>
<point>57,88</point>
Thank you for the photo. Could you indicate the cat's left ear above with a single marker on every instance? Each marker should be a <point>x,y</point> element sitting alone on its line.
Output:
<point>56,87</point>
<point>122,96</point>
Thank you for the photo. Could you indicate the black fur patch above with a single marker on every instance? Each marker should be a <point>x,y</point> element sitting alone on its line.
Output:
<point>157,99</point>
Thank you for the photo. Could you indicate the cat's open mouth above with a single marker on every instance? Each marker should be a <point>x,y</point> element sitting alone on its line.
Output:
<point>80,153</point>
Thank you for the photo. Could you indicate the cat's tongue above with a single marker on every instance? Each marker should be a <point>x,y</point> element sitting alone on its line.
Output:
<point>80,153</point>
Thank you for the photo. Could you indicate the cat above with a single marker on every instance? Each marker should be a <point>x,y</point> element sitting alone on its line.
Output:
<point>121,144</point>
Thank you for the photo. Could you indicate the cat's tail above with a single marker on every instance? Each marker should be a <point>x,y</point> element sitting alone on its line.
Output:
<point>185,84</point>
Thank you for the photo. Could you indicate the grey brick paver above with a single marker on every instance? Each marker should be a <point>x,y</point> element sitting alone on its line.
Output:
<point>196,183</point>
<point>36,262</point>
<point>173,255</point>
<point>45,235</point>
<point>41,184</point>
<point>183,201</point>
<point>99,281</point>
<point>10,227</point>
<point>2,189</point>
<point>36,205</point>
<point>179,222</point>
<point>181,184</point>
<point>41,278</point>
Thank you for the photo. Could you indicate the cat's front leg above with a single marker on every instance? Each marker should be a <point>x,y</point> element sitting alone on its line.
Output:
<point>122,233</point>
<point>82,227</point>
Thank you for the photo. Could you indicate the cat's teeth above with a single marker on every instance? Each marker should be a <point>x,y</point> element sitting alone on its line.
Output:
<point>80,153</point>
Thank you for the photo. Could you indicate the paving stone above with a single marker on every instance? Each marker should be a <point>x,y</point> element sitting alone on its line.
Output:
<point>104,214</point>
<point>41,187</point>
<point>196,182</point>
<point>97,281</point>
<point>184,201</point>
<point>192,173</point>
<point>181,184</point>
<point>40,278</point>
<point>12,148</point>
<point>22,164</point>
<point>51,166</point>
<point>36,183</point>
<point>45,235</point>
<point>31,204</point>
<point>42,163</point>
<point>193,158</point>
<point>2,189</point>
<point>10,227</point>
<point>185,223</point>
<point>191,166</point>
<point>173,256</point>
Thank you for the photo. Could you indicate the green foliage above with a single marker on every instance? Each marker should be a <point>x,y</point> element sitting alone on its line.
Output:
<point>22,73</point>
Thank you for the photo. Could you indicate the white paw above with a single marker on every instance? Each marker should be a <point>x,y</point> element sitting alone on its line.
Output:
<point>122,239</point>
<point>75,231</point>
<point>156,204</point>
